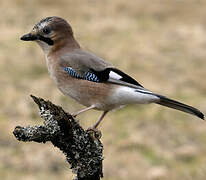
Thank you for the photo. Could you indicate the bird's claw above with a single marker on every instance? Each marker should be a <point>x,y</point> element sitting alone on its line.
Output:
<point>73,115</point>
<point>94,133</point>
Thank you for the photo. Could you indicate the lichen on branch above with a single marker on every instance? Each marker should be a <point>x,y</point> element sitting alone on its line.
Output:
<point>83,149</point>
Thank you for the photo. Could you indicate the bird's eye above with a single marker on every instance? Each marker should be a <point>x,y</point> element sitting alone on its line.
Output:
<point>46,30</point>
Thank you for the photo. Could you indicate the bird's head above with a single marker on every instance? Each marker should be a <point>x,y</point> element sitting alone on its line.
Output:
<point>51,33</point>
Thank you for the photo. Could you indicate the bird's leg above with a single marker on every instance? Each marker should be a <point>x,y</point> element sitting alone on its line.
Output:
<point>74,114</point>
<point>99,121</point>
<point>96,134</point>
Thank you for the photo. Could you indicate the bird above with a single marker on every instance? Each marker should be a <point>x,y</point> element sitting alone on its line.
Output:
<point>89,79</point>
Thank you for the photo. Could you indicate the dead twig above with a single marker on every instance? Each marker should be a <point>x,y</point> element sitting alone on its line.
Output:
<point>83,149</point>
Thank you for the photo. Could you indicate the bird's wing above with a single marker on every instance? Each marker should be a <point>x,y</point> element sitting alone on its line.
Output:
<point>84,65</point>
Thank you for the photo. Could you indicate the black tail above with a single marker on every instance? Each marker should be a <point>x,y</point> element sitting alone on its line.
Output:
<point>179,106</point>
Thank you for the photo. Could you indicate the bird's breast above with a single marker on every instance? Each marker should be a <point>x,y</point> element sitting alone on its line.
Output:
<point>85,92</point>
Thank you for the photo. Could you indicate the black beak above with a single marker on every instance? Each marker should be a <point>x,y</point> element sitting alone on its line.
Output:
<point>29,37</point>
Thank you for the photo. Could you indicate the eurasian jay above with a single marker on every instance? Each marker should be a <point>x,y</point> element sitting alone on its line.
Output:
<point>87,78</point>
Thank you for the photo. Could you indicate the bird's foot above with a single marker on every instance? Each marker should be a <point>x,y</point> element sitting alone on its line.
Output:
<point>74,115</point>
<point>94,132</point>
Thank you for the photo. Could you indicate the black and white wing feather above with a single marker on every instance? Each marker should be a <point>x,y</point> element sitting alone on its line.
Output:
<point>116,76</point>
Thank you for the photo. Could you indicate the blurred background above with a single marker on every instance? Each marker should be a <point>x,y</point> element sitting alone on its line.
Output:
<point>162,44</point>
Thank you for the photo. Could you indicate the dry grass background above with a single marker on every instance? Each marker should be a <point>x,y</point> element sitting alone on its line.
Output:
<point>160,43</point>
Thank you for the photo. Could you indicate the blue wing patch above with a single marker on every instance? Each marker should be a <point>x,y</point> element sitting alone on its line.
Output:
<point>89,76</point>
<point>72,72</point>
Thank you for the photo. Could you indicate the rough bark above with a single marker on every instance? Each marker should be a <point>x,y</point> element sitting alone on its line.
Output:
<point>83,149</point>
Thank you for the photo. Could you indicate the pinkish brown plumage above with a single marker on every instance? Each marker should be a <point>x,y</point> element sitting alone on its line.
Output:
<point>87,78</point>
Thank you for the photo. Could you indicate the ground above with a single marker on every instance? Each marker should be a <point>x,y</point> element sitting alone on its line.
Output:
<point>161,44</point>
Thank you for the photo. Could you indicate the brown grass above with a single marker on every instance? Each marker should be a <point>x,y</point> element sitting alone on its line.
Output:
<point>160,43</point>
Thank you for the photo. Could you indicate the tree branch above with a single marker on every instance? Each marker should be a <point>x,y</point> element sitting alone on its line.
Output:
<point>83,149</point>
